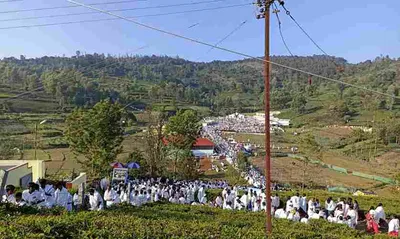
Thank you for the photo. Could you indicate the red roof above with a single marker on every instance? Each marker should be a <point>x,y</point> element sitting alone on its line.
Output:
<point>203,142</point>
<point>200,142</point>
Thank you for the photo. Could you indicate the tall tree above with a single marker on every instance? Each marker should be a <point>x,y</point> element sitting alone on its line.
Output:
<point>182,131</point>
<point>97,134</point>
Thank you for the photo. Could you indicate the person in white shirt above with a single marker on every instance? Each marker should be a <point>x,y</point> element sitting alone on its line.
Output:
<point>149,196</point>
<point>182,199</point>
<point>32,196</point>
<point>332,218</point>
<point>200,193</point>
<point>311,207</point>
<point>69,204</point>
<point>257,206</point>
<point>379,213</point>
<point>340,220</point>
<point>9,197</point>
<point>109,196</point>
<point>315,215</point>
<point>142,197</point>
<point>280,213</point>
<point>304,219</point>
<point>123,195</point>
<point>228,205</point>
<point>339,210</point>
<point>218,201</point>
<point>393,229</point>
<point>134,198</point>
<point>245,200</point>
<point>353,216</point>
<point>330,205</point>
<point>75,201</point>
<point>47,192</point>
<point>296,201</point>
<point>303,203</point>
<point>239,204</point>
<point>275,201</point>
<point>289,205</point>
<point>95,200</point>
<point>203,200</point>
<point>61,197</point>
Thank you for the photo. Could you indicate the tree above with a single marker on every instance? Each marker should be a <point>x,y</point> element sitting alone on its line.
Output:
<point>182,131</point>
<point>299,103</point>
<point>97,134</point>
<point>154,149</point>
<point>242,162</point>
<point>308,147</point>
<point>187,167</point>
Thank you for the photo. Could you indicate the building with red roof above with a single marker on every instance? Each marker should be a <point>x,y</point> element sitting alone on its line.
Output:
<point>203,147</point>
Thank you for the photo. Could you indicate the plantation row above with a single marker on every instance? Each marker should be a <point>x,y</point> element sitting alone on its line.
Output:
<point>160,221</point>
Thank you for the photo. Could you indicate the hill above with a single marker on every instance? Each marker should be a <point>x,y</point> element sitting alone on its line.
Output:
<point>221,86</point>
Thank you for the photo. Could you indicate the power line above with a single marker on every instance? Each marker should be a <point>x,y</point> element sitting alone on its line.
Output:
<point>282,3</point>
<point>225,49</point>
<point>224,38</point>
<point>116,10</point>
<point>276,11</point>
<point>63,7</point>
<point>116,18</point>
<point>11,1</point>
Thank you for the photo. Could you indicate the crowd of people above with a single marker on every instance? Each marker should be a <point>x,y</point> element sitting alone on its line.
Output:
<point>241,124</point>
<point>230,150</point>
<point>141,191</point>
<point>343,211</point>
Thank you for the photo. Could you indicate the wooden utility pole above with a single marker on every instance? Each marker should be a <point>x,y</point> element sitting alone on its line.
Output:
<point>264,6</point>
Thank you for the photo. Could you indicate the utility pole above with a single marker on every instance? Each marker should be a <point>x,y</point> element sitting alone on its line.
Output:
<point>264,8</point>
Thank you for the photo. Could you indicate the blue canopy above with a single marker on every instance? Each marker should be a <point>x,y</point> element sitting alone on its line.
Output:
<point>133,165</point>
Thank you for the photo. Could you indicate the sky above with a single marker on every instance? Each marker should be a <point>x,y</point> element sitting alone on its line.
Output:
<point>356,30</point>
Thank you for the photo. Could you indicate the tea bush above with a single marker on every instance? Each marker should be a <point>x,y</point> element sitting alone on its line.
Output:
<point>160,220</point>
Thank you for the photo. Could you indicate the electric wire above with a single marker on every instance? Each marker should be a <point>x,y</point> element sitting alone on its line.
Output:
<point>70,6</point>
<point>116,10</point>
<point>224,38</point>
<point>225,49</point>
<point>276,10</point>
<point>116,18</point>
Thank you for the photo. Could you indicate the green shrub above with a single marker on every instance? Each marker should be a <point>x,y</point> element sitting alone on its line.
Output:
<point>161,220</point>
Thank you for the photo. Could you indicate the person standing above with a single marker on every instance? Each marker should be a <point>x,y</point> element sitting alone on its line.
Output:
<point>61,196</point>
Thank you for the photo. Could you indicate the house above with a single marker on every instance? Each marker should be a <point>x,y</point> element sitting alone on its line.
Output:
<point>203,147</point>
<point>20,172</point>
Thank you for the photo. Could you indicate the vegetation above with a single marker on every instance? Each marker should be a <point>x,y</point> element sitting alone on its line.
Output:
<point>96,134</point>
<point>164,221</point>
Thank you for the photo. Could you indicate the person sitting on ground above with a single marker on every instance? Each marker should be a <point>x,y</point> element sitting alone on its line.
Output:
<point>304,219</point>
<point>393,226</point>
<point>339,210</point>
<point>18,199</point>
<point>280,213</point>
<point>95,200</point>
<point>332,218</point>
<point>9,197</point>
<point>372,226</point>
